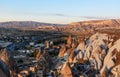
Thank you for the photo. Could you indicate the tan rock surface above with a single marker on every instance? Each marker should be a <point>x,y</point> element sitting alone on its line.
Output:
<point>66,70</point>
<point>62,51</point>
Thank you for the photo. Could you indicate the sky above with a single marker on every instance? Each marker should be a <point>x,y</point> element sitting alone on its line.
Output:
<point>58,11</point>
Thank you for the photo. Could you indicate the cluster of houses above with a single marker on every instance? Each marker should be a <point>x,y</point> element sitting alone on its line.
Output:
<point>22,50</point>
<point>26,61</point>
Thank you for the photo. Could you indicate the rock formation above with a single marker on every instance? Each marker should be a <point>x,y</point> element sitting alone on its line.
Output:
<point>66,70</point>
<point>39,53</point>
<point>62,51</point>
<point>4,70</point>
<point>102,56</point>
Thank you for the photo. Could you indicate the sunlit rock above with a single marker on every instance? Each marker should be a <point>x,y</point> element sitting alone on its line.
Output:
<point>62,51</point>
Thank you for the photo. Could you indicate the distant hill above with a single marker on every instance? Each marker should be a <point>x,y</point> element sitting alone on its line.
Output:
<point>83,26</point>
<point>25,24</point>
<point>97,23</point>
<point>89,26</point>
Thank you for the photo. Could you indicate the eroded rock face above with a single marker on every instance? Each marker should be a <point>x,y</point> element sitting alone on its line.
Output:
<point>93,50</point>
<point>62,51</point>
<point>66,70</point>
<point>79,55</point>
<point>39,53</point>
<point>71,57</point>
<point>4,56</point>
<point>69,41</point>
<point>101,52</point>
<point>81,46</point>
<point>4,71</point>
<point>72,43</point>
<point>112,58</point>
<point>116,71</point>
<point>45,62</point>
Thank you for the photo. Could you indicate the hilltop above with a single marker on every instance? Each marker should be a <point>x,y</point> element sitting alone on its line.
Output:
<point>25,24</point>
<point>71,27</point>
<point>90,26</point>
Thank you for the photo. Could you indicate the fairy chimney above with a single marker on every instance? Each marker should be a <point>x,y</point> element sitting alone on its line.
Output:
<point>66,70</point>
<point>62,51</point>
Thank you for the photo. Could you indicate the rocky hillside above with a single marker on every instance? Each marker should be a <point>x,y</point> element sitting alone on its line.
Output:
<point>95,56</point>
<point>83,26</point>
<point>97,24</point>
<point>90,26</point>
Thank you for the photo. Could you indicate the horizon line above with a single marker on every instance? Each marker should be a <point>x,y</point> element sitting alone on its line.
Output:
<point>57,23</point>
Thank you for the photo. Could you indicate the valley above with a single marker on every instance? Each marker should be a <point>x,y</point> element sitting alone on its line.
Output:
<point>80,49</point>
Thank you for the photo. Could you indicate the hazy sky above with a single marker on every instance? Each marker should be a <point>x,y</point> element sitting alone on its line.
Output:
<point>58,11</point>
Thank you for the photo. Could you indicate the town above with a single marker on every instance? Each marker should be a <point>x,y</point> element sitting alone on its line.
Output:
<point>69,56</point>
<point>24,54</point>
